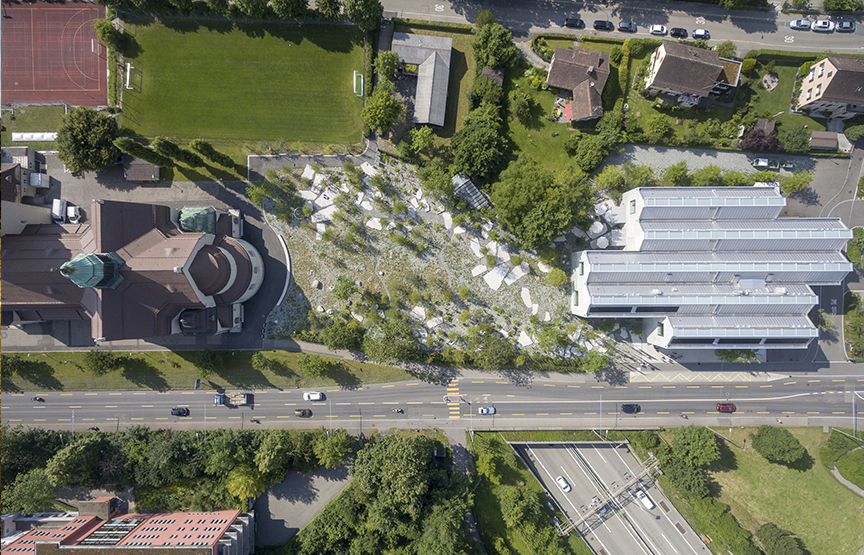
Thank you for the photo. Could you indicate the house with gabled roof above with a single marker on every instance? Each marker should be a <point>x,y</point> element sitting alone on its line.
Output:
<point>584,73</point>
<point>428,58</point>
<point>690,74</point>
<point>834,88</point>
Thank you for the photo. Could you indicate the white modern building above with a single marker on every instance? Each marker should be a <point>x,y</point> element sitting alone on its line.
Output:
<point>713,268</point>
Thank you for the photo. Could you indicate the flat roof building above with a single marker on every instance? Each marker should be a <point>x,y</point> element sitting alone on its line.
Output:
<point>713,268</point>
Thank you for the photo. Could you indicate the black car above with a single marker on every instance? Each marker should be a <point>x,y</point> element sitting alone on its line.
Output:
<point>574,23</point>
<point>631,408</point>
<point>678,32</point>
<point>626,27</point>
<point>179,411</point>
<point>604,26</point>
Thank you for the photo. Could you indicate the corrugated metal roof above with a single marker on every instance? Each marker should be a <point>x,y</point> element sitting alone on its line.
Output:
<point>699,289</point>
<point>691,258</point>
<point>740,321</point>
<point>778,224</point>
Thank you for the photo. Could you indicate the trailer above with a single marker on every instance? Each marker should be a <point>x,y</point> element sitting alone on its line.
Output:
<point>231,399</point>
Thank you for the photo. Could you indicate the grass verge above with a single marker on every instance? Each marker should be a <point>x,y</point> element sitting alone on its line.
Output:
<point>853,322</point>
<point>160,370</point>
<point>796,499</point>
<point>226,80</point>
<point>558,435</point>
<point>851,467</point>
<point>855,247</point>
<point>488,497</point>
<point>34,119</point>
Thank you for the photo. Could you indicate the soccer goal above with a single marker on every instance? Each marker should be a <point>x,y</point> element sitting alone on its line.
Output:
<point>358,89</point>
<point>96,47</point>
<point>129,69</point>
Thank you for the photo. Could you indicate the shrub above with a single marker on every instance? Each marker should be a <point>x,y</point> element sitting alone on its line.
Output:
<point>485,90</point>
<point>557,277</point>
<point>616,55</point>
<point>171,150</point>
<point>747,65</point>
<point>854,132</point>
<point>206,149</point>
<point>314,366</point>
<point>777,444</point>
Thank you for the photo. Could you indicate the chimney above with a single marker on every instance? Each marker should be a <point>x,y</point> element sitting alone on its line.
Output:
<point>591,69</point>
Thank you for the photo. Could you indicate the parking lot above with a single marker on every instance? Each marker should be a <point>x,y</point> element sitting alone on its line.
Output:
<point>604,480</point>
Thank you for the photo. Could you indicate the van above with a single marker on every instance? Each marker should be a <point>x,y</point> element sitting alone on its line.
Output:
<point>73,213</point>
<point>58,211</point>
<point>644,499</point>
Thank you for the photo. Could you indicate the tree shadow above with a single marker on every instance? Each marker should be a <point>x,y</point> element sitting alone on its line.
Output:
<point>140,372</point>
<point>343,376</point>
<point>40,374</point>
<point>806,196</point>
<point>131,48</point>
<point>727,461</point>
<point>613,376</point>
<point>803,464</point>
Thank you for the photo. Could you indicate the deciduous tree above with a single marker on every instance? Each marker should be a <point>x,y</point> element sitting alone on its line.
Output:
<point>726,49</point>
<point>484,18</point>
<point>332,448</point>
<point>29,493</point>
<point>520,506</point>
<point>100,362</point>
<point>107,33</point>
<point>314,366</point>
<point>490,351</point>
<point>365,13</point>
<point>677,175</point>
<point>696,445</point>
<point>245,481</point>
<point>389,341</point>
<point>329,9</point>
<point>383,110</point>
<point>289,9</point>
<point>776,541</point>
<point>777,445</point>
<point>206,149</point>
<point>85,140</point>
<point>795,140</point>
<point>386,64</point>
<point>136,149</point>
<point>493,46</point>
<point>796,182</point>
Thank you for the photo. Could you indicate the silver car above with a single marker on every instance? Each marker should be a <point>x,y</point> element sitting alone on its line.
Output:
<point>800,24</point>
<point>823,25</point>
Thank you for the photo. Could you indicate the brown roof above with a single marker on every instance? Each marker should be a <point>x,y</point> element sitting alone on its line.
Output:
<point>135,169</point>
<point>570,67</point>
<point>688,69</point>
<point>151,293</point>
<point>586,103</point>
<point>11,185</point>
<point>847,85</point>
<point>496,75</point>
<point>823,139</point>
<point>764,125</point>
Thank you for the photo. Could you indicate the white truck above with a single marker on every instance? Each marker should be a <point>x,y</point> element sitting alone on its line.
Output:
<point>231,399</point>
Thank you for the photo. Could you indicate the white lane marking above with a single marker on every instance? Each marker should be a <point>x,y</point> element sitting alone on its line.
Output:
<point>667,541</point>
<point>599,453</point>
<point>110,406</point>
<point>343,403</point>
<point>365,403</point>
<point>290,404</point>
<point>146,406</point>
<point>75,407</point>
<point>414,402</point>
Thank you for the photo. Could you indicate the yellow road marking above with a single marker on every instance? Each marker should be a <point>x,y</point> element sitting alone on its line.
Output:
<point>38,420</point>
<point>760,412</point>
<point>813,381</point>
<point>766,386</point>
<point>410,384</point>
<point>503,382</point>
<point>589,413</point>
<point>565,413</point>
<point>136,419</point>
<point>91,394</point>
<point>541,414</point>
<point>574,386</point>
<point>356,416</point>
<point>692,387</point>
<point>662,413</point>
<point>742,386</point>
<point>835,412</point>
<point>379,415</point>
<point>381,386</point>
<point>596,387</point>
<point>548,385</point>
<point>137,393</point>
<point>518,414</point>
<point>718,386</point>
<point>669,386</point>
<point>790,412</point>
<point>644,387</point>
<point>789,383</point>
<point>812,413</point>
<point>457,416</point>
<point>838,380</point>
<point>64,420</point>
<point>428,415</point>
<point>72,394</point>
<point>283,417</point>
<point>160,418</point>
<point>478,381</point>
<point>335,390</point>
<point>115,394</point>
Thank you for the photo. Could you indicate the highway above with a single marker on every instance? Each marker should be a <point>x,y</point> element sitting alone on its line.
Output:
<point>556,402</point>
<point>747,29</point>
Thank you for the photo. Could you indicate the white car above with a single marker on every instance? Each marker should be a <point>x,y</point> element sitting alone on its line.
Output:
<point>644,499</point>
<point>658,30</point>
<point>823,25</point>
<point>313,396</point>
<point>486,410</point>
<point>800,24</point>
<point>562,483</point>
<point>73,213</point>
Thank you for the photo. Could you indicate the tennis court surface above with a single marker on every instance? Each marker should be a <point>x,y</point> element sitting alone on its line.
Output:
<point>51,54</point>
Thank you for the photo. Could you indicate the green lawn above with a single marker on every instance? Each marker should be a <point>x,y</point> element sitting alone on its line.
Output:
<point>462,71</point>
<point>487,503</point>
<point>31,118</point>
<point>855,248</point>
<point>62,371</point>
<point>803,501</point>
<point>557,435</point>
<point>853,320</point>
<point>779,99</point>
<point>255,82</point>
<point>851,467</point>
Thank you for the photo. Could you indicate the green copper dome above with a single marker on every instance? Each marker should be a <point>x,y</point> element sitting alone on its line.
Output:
<point>99,270</point>
<point>198,219</point>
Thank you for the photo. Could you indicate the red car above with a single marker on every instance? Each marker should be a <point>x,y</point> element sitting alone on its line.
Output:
<point>725,407</point>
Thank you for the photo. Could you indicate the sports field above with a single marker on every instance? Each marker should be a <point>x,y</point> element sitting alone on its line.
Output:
<point>265,82</point>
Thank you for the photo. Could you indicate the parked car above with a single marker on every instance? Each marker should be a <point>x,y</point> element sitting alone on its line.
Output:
<point>678,32</point>
<point>644,499</point>
<point>631,408</point>
<point>725,407</point>
<point>304,413</point>
<point>604,26</point>
<point>626,27</point>
<point>179,411</point>
<point>562,483</point>
<point>574,23</point>
<point>660,30</point>
<point>486,410</point>
<point>74,214</point>
<point>800,24</point>
<point>846,27</point>
<point>313,396</point>
<point>701,34</point>
<point>824,26</point>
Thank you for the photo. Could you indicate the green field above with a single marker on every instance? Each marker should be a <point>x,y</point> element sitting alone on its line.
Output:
<point>261,82</point>
<point>31,118</point>
<point>803,499</point>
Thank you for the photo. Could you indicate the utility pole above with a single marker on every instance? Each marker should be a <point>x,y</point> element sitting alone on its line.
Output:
<point>330,406</point>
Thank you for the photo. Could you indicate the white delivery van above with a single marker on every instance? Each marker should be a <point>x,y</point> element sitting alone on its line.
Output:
<point>646,501</point>
<point>73,213</point>
<point>58,211</point>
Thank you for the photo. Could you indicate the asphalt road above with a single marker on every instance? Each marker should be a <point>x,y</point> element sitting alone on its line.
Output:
<point>623,524</point>
<point>550,404</point>
<point>748,29</point>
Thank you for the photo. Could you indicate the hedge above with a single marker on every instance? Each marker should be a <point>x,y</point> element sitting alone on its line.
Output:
<point>602,39</point>
<point>434,25</point>
<point>784,55</point>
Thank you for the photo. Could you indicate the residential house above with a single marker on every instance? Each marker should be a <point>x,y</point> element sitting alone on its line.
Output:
<point>713,268</point>
<point>689,74</point>
<point>584,73</point>
<point>136,271</point>
<point>428,58</point>
<point>22,179</point>
<point>834,88</point>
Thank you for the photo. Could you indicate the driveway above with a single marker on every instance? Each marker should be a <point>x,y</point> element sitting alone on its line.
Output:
<point>288,506</point>
<point>109,184</point>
